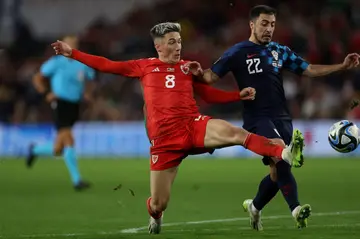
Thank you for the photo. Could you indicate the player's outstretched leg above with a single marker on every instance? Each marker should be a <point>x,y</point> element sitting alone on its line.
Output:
<point>220,133</point>
<point>160,185</point>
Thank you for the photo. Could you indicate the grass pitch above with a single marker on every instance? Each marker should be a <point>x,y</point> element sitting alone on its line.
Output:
<point>206,200</point>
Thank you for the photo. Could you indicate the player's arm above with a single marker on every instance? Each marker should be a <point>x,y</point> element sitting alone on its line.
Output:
<point>212,95</point>
<point>89,84</point>
<point>40,79</point>
<point>351,61</point>
<point>298,65</point>
<point>219,69</point>
<point>209,77</point>
<point>40,83</point>
<point>126,68</point>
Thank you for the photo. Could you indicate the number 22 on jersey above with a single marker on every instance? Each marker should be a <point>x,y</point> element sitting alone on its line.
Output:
<point>253,65</point>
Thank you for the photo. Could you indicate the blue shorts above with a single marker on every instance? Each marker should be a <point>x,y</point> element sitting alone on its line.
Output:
<point>271,128</point>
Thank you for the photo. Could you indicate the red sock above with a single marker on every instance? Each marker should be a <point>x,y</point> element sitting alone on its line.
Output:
<point>155,215</point>
<point>263,146</point>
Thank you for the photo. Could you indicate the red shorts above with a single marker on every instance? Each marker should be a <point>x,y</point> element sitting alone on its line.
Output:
<point>168,151</point>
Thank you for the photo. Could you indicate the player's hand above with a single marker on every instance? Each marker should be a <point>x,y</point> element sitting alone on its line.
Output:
<point>351,61</point>
<point>247,93</point>
<point>195,68</point>
<point>62,48</point>
<point>50,97</point>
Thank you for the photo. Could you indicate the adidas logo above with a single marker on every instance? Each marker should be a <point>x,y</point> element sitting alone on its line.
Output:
<point>156,69</point>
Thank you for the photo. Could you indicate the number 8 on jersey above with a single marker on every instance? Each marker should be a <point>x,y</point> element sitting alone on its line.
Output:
<point>169,81</point>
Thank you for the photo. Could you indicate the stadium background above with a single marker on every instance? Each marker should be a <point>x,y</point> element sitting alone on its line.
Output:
<point>321,31</point>
<point>39,203</point>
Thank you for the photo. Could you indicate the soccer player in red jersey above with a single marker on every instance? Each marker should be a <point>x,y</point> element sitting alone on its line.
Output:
<point>175,127</point>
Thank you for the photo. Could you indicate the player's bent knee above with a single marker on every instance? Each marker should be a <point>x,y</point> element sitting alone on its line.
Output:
<point>240,135</point>
<point>59,143</point>
<point>67,137</point>
<point>69,140</point>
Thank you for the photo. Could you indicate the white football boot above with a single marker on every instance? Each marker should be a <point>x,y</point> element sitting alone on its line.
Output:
<point>155,225</point>
<point>255,215</point>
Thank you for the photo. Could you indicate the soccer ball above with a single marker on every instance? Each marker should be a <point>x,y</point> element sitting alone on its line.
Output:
<point>343,136</point>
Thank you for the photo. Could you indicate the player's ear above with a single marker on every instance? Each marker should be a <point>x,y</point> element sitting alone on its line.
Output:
<point>157,47</point>
<point>157,44</point>
<point>251,24</point>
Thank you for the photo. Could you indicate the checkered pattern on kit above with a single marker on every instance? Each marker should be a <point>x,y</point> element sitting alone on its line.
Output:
<point>286,58</point>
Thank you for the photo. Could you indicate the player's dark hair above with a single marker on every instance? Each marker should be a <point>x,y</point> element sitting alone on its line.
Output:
<point>159,30</point>
<point>261,9</point>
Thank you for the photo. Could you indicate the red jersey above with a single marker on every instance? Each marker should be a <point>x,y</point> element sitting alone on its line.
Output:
<point>168,90</point>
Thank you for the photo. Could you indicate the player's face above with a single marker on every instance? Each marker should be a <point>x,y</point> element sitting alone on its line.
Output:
<point>71,41</point>
<point>263,28</point>
<point>170,47</point>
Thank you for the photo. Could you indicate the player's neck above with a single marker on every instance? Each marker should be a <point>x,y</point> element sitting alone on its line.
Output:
<point>252,38</point>
<point>167,60</point>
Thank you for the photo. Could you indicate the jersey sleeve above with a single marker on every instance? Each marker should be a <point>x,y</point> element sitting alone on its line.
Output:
<point>294,63</point>
<point>212,95</point>
<point>223,65</point>
<point>48,68</point>
<point>129,68</point>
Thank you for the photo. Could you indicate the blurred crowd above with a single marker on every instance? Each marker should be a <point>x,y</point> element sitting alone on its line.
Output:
<point>323,32</point>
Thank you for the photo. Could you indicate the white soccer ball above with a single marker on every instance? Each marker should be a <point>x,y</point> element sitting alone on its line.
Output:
<point>344,136</point>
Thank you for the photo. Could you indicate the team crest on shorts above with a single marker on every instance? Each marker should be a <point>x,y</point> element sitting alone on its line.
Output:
<point>184,69</point>
<point>154,158</point>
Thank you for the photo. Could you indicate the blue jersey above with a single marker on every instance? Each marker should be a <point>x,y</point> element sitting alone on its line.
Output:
<point>67,77</point>
<point>260,67</point>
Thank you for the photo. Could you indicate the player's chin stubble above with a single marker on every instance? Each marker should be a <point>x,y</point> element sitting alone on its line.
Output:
<point>262,40</point>
<point>259,40</point>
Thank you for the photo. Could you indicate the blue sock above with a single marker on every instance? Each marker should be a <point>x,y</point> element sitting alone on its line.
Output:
<point>71,163</point>
<point>43,149</point>
<point>267,190</point>
<point>287,184</point>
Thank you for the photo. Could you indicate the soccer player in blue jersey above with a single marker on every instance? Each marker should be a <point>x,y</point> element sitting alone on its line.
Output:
<point>67,79</point>
<point>258,63</point>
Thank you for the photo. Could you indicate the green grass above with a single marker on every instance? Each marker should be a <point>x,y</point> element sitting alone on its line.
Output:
<point>40,203</point>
